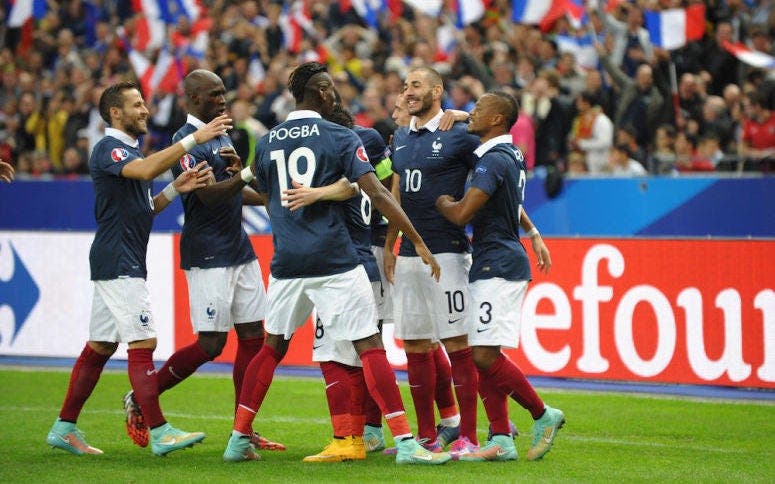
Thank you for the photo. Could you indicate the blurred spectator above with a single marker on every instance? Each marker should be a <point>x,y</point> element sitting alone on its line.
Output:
<point>716,122</point>
<point>718,62</point>
<point>662,159</point>
<point>689,97</point>
<point>551,118</point>
<point>640,103</point>
<point>631,41</point>
<point>592,132</point>
<point>523,137</point>
<point>626,136</point>
<point>577,164</point>
<point>247,131</point>
<point>757,145</point>
<point>74,163</point>
<point>620,163</point>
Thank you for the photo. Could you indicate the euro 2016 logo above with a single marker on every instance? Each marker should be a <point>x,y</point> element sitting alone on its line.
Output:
<point>118,154</point>
<point>187,162</point>
<point>361,154</point>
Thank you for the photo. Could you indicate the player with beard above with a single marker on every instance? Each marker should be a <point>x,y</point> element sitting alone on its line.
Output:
<point>428,162</point>
<point>499,276</point>
<point>124,209</point>
<point>224,279</point>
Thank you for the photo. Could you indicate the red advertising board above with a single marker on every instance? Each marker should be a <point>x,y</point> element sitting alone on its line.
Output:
<point>671,311</point>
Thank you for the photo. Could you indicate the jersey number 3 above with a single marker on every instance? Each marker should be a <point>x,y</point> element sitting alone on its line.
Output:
<point>290,168</point>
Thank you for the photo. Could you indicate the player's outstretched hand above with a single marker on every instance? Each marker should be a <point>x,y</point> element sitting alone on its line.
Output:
<point>425,254</point>
<point>450,116</point>
<point>216,127</point>
<point>542,254</point>
<point>194,178</point>
<point>232,159</point>
<point>389,265</point>
<point>6,172</point>
<point>300,196</point>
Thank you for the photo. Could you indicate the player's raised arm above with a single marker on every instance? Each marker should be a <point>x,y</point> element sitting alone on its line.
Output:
<point>154,165</point>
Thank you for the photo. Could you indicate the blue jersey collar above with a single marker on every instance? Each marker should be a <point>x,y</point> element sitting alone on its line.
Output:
<point>489,144</point>
<point>123,137</point>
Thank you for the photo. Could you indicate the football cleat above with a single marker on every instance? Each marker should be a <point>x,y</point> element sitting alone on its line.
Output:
<point>167,438</point>
<point>499,448</point>
<point>135,423</point>
<point>340,450</point>
<point>239,449</point>
<point>260,442</point>
<point>411,452</point>
<point>66,436</point>
<point>446,435</point>
<point>462,446</point>
<point>373,438</point>
<point>512,431</point>
<point>544,431</point>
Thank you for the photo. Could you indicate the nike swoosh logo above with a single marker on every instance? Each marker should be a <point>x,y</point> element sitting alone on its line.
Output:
<point>314,347</point>
<point>331,384</point>
<point>482,330</point>
<point>423,457</point>
<point>415,386</point>
<point>453,321</point>
<point>215,151</point>
<point>150,372</point>
<point>500,452</point>
<point>399,147</point>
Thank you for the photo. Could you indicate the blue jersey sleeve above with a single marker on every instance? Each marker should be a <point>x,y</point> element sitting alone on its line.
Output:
<point>111,156</point>
<point>488,174</point>
<point>355,159</point>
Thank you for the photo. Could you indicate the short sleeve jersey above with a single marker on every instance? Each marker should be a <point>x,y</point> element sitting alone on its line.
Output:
<point>498,252</point>
<point>377,150</point>
<point>431,162</point>
<point>212,236</point>
<point>123,209</point>
<point>312,241</point>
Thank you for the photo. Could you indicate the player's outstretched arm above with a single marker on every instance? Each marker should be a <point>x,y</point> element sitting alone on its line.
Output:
<point>190,180</point>
<point>539,248</point>
<point>6,172</point>
<point>154,165</point>
<point>388,257</point>
<point>300,195</point>
<point>383,201</point>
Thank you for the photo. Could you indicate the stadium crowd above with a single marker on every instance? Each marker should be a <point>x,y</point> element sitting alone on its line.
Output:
<point>610,110</point>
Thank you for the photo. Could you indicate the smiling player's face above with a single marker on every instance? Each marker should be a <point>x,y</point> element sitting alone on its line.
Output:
<point>134,114</point>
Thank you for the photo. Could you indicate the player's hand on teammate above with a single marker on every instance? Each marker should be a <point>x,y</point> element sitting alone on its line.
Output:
<point>542,254</point>
<point>449,118</point>
<point>427,257</point>
<point>300,196</point>
<point>6,171</point>
<point>218,126</point>
<point>194,178</point>
<point>389,265</point>
<point>232,159</point>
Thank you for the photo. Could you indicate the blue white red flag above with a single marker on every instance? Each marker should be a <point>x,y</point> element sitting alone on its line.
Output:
<point>751,57</point>
<point>22,10</point>
<point>675,27</point>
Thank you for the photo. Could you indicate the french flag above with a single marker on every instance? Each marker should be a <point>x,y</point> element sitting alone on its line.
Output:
<point>538,12</point>
<point>164,76</point>
<point>468,11</point>
<point>369,10</point>
<point>148,33</point>
<point>294,20</point>
<point>751,57</point>
<point>23,10</point>
<point>675,27</point>
<point>192,9</point>
<point>582,47</point>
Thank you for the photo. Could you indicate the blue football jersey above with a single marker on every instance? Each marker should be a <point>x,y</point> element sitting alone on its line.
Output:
<point>312,241</point>
<point>361,216</point>
<point>377,151</point>
<point>212,237</point>
<point>430,164</point>
<point>498,251</point>
<point>123,208</point>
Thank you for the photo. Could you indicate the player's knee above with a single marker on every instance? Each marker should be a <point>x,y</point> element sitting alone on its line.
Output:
<point>484,356</point>
<point>212,343</point>
<point>278,343</point>
<point>103,348</point>
<point>253,329</point>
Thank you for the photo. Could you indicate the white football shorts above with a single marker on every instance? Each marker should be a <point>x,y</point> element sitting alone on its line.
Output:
<point>497,312</point>
<point>121,311</point>
<point>426,309</point>
<point>344,303</point>
<point>221,297</point>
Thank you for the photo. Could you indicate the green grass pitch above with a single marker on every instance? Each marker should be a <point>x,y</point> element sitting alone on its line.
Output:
<point>609,437</point>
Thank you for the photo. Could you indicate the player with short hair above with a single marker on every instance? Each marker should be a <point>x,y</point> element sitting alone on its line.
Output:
<point>224,278</point>
<point>315,264</point>
<point>499,276</point>
<point>428,162</point>
<point>124,209</point>
<point>6,171</point>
